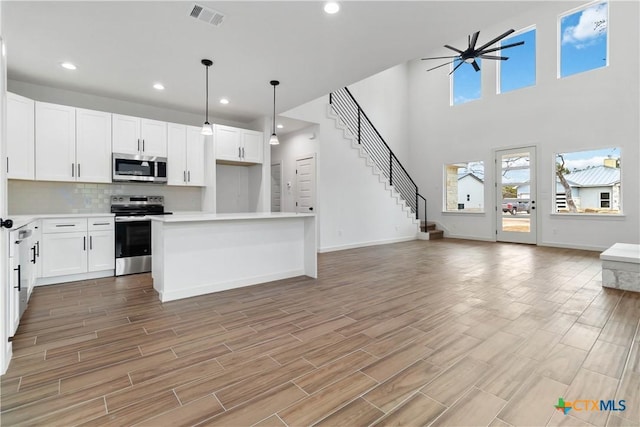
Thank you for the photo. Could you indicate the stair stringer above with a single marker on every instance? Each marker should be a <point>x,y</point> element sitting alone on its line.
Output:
<point>353,139</point>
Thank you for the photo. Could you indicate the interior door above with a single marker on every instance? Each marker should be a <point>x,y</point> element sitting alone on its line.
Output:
<point>516,195</point>
<point>306,184</point>
<point>276,187</point>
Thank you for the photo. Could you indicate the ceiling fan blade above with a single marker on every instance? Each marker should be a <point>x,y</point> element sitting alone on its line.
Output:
<point>474,39</point>
<point>495,49</point>
<point>475,66</point>
<point>441,57</point>
<point>456,67</point>
<point>442,65</point>
<point>500,37</point>
<point>452,48</point>
<point>501,58</point>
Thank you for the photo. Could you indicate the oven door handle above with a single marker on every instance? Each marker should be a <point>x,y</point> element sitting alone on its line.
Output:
<point>132,219</point>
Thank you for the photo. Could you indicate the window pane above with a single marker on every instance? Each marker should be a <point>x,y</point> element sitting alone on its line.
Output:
<point>583,39</point>
<point>588,181</point>
<point>464,187</point>
<point>520,69</point>
<point>466,83</point>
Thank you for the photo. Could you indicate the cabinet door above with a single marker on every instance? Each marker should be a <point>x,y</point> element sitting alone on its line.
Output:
<point>195,156</point>
<point>126,134</point>
<point>93,146</point>
<point>154,138</point>
<point>176,154</point>
<point>20,137</point>
<point>227,142</point>
<point>64,253</point>
<point>101,251</point>
<point>252,143</point>
<point>55,142</point>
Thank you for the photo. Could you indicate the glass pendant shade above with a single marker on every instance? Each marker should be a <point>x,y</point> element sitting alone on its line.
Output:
<point>274,139</point>
<point>207,129</point>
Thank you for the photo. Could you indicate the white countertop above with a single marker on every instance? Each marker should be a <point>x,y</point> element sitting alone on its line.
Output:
<point>622,252</point>
<point>22,220</point>
<point>208,216</point>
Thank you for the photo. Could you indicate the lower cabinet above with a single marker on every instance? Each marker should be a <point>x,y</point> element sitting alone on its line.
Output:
<point>77,245</point>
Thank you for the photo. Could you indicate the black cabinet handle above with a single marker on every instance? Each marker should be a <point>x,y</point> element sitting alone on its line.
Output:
<point>73,169</point>
<point>138,144</point>
<point>84,243</point>
<point>19,278</point>
<point>38,248</point>
<point>91,243</point>
<point>189,176</point>
<point>78,170</point>
<point>239,153</point>
<point>143,145</point>
<point>33,260</point>
<point>184,176</point>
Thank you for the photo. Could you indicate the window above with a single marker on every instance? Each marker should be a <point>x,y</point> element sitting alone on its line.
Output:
<point>464,187</point>
<point>588,182</point>
<point>583,39</point>
<point>520,70</point>
<point>465,83</point>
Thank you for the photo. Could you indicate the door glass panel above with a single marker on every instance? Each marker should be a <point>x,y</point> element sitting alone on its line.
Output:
<point>515,182</point>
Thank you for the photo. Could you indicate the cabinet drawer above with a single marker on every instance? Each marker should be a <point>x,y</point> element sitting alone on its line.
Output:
<point>100,223</point>
<point>64,225</point>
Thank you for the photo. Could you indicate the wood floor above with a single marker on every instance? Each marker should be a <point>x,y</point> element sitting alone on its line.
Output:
<point>437,333</point>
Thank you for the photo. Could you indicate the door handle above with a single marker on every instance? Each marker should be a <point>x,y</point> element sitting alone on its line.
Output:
<point>6,223</point>
<point>38,248</point>
<point>310,208</point>
<point>138,144</point>
<point>19,278</point>
<point>243,152</point>
<point>143,145</point>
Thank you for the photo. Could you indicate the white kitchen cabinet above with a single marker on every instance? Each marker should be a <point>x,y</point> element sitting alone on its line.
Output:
<point>77,245</point>
<point>238,145</point>
<point>93,146</point>
<point>55,145</point>
<point>133,135</point>
<point>20,137</point>
<point>185,157</point>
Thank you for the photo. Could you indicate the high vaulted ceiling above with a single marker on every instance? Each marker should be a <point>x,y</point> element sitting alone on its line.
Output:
<point>122,48</point>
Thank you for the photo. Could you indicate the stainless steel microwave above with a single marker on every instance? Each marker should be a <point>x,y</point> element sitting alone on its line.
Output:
<point>137,168</point>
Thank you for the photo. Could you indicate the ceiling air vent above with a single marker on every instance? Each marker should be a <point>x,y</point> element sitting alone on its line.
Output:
<point>206,14</point>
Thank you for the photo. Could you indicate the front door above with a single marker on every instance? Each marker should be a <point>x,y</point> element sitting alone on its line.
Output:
<point>306,184</point>
<point>516,195</point>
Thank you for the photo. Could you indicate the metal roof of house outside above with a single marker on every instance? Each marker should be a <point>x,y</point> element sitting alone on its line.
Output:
<point>594,177</point>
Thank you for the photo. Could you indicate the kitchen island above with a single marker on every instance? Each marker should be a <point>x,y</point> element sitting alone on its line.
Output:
<point>199,253</point>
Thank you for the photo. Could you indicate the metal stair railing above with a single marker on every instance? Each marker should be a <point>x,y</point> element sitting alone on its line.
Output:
<point>356,121</point>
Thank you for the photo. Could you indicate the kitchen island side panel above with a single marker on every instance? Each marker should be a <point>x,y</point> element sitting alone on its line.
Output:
<point>198,257</point>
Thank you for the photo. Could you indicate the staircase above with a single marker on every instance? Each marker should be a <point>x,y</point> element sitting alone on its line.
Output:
<point>357,127</point>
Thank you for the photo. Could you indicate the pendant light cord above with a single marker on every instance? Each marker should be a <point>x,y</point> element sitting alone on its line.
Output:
<point>274,110</point>
<point>207,95</point>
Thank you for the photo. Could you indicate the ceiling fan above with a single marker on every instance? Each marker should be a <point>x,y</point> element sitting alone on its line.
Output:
<point>470,54</point>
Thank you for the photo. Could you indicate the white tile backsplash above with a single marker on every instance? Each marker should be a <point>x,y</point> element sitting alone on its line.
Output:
<point>44,197</point>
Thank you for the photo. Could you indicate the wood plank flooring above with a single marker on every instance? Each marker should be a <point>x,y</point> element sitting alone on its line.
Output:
<point>434,333</point>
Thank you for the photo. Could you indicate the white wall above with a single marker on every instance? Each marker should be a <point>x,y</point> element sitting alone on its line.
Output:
<point>384,99</point>
<point>354,209</point>
<point>585,111</point>
<point>293,146</point>
<point>232,189</point>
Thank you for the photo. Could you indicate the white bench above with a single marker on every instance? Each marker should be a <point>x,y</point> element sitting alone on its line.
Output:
<point>621,267</point>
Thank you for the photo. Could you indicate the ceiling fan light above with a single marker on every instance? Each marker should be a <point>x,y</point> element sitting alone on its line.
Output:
<point>469,60</point>
<point>207,129</point>
<point>274,139</point>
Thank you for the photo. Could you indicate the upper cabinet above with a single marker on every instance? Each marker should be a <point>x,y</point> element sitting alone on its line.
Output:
<point>72,144</point>
<point>20,137</point>
<point>133,135</point>
<point>55,142</point>
<point>235,145</point>
<point>185,159</point>
<point>93,145</point>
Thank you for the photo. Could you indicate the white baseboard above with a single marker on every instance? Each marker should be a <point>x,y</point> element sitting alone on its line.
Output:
<point>44,281</point>
<point>463,237</point>
<point>364,244</point>
<point>573,246</point>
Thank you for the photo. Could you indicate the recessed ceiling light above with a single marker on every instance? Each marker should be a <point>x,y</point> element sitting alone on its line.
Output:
<point>68,66</point>
<point>158,86</point>
<point>331,7</point>
<point>280,126</point>
<point>224,101</point>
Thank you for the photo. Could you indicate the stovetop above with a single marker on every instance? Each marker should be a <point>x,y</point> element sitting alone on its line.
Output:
<point>138,205</point>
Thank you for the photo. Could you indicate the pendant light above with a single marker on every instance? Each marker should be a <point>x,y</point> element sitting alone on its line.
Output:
<point>206,127</point>
<point>274,138</point>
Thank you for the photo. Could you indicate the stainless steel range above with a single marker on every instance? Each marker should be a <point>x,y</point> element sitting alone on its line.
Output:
<point>133,231</point>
